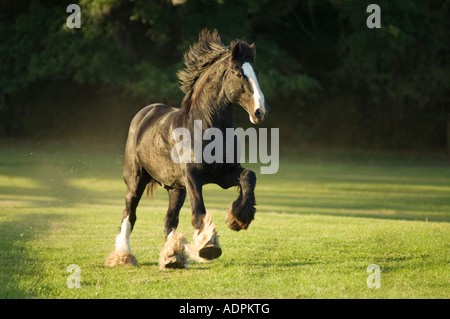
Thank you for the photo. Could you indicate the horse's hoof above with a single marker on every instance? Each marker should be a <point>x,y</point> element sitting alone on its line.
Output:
<point>174,262</point>
<point>121,258</point>
<point>233,223</point>
<point>174,253</point>
<point>239,217</point>
<point>210,252</point>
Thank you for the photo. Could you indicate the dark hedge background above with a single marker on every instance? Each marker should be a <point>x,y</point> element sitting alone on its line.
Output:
<point>330,80</point>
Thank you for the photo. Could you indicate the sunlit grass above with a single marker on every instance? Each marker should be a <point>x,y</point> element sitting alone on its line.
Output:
<point>319,224</point>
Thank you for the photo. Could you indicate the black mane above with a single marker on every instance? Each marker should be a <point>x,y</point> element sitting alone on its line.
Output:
<point>200,56</point>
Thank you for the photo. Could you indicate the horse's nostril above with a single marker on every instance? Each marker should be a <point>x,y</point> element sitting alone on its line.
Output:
<point>258,114</point>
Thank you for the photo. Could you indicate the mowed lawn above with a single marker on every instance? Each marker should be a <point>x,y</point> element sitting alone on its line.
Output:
<point>320,222</point>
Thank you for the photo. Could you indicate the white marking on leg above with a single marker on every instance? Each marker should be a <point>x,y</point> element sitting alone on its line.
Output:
<point>258,96</point>
<point>123,239</point>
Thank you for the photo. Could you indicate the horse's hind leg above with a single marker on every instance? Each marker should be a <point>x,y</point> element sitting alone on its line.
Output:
<point>136,181</point>
<point>174,253</point>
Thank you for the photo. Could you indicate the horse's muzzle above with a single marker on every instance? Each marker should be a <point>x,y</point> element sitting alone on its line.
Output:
<point>260,114</point>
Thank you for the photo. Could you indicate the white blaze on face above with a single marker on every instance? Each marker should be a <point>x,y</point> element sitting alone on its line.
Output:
<point>258,96</point>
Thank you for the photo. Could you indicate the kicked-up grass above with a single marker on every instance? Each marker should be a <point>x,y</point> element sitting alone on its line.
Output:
<point>320,222</point>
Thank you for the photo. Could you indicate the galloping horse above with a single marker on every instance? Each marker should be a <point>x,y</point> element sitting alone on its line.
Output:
<point>215,78</point>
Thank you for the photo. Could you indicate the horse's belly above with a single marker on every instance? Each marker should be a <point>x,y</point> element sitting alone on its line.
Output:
<point>164,172</point>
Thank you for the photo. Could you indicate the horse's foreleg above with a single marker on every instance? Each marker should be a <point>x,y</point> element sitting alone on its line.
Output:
<point>206,244</point>
<point>176,201</point>
<point>242,210</point>
<point>174,253</point>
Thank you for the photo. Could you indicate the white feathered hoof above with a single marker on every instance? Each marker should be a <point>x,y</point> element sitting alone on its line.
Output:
<point>121,258</point>
<point>122,255</point>
<point>174,253</point>
<point>206,242</point>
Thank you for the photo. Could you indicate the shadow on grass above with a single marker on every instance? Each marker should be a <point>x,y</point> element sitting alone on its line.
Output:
<point>18,264</point>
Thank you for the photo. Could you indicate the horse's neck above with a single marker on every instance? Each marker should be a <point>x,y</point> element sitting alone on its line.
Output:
<point>224,117</point>
<point>213,108</point>
<point>221,116</point>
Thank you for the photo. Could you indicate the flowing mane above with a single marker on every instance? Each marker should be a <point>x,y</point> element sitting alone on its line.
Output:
<point>200,56</point>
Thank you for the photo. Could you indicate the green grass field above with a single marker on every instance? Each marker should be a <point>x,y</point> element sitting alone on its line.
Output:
<point>320,222</point>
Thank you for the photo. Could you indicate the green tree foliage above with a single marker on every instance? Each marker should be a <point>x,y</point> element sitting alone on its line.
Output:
<point>400,74</point>
<point>404,60</point>
<point>334,79</point>
<point>135,45</point>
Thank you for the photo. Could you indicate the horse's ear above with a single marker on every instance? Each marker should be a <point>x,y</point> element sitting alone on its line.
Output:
<point>253,51</point>
<point>242,51</point>
<point>236,51</point>
<point>253,47</point>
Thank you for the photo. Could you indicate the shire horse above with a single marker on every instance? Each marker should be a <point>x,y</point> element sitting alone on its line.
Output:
<point>216,77</point>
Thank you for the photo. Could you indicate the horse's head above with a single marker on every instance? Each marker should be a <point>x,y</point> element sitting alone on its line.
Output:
<point>241,82</point>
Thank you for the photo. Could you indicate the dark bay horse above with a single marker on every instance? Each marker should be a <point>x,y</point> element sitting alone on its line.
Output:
<point>215,78</point>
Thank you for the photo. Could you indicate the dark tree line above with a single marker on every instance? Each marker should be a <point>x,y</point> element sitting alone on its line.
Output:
<point>330,80</point>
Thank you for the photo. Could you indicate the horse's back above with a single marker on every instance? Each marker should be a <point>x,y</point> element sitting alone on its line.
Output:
<point>144,120</point>
<point>151,111</point>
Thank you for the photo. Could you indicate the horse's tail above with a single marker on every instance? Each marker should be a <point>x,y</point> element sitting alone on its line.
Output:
<point>151,187</point>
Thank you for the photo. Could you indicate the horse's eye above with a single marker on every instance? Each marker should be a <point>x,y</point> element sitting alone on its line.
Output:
<point>237,70</point>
